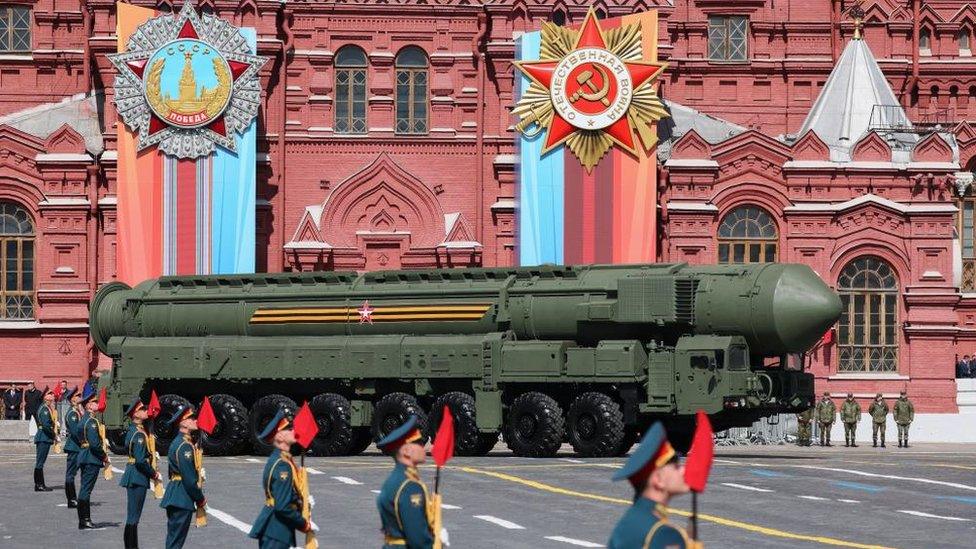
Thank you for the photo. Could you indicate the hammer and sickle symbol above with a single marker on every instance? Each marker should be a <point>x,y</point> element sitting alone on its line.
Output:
<point>585,78</point>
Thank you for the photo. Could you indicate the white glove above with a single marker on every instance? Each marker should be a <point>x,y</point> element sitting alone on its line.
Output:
<point>203,473</point>
<point>315,527</point>
<point>445,539</point>
<point>311,500</point>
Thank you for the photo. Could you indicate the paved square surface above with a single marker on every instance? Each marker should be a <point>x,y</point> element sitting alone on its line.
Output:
<point>758,496</point>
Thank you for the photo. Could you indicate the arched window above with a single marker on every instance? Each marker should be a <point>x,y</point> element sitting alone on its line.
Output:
<point>411,77</point>
<point>747,234</point>
<point>963,38</point>
<point>867,335</point>
<point>16,263</point>
<point>350,90</point>
<point>925,42</point>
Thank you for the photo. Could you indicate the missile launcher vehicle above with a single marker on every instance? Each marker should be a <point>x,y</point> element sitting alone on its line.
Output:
<point>589,355</point>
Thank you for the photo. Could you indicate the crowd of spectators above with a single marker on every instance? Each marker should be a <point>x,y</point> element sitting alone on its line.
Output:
<point>22,401</point>
<point>966,367</point>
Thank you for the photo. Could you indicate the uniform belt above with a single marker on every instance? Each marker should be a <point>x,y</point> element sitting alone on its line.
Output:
<point>176,477</point>
<point>269,501</point>
<point>84,445</point>
<point>131,460</point>
<point>390,540</point>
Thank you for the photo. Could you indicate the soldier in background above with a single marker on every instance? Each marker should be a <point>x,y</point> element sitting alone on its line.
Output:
<point>879,416</point>
<point>138,472</point>
<point>904,413</point>
<point>804,422</point>
<point>826,415</point>
<point>91,458</point>
<point>47,434</point>
<point>184,493</point>
<point>402,502</point>
<point>850,414</point>
<point>72,445</point>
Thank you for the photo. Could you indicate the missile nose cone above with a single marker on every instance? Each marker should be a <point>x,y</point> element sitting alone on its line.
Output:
<point>804,307</point>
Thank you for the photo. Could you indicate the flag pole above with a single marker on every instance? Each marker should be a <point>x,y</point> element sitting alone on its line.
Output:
<point>694,516</point>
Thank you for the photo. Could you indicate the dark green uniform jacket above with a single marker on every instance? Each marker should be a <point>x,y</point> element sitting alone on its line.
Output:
<point>878,411</point>
<point>826,411</point>
<point>282,511</point>
<point>403,510</point>
<point>645,526</point>
<point>92,452</point>
<point>183,490</point>
<point>850,411</point>
<point>904,411</point>
<point>45,426</point>
<point>72,443</point>
<point>138,471</point>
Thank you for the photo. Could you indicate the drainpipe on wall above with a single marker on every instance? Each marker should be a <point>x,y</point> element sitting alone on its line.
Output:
<point>286,48</point>
<point>93,235</point>
<point>481,61</point>
<point>913,81</point>
<point>87,24</point>
<point>834,29</point>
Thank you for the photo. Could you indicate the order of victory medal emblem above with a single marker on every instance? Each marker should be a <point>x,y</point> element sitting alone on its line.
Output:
<point>186,84</point>
<point>591,91</point>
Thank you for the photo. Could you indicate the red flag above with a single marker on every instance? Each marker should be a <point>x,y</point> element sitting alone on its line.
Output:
<point>305,426</point>
<point>443,449</point>
<point>206,420</point>
<point>154,407</point>
<point>102,400</point>
<point>701,454</point>
<point>828,337</point>
<point>57,391</point>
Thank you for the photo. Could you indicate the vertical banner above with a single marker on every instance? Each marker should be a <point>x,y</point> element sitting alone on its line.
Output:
<point>608,213</point>
<point>186,202</point>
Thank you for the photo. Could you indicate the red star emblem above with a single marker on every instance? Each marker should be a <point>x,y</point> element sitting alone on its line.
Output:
<point>589,80</point>
<point>365,313</point>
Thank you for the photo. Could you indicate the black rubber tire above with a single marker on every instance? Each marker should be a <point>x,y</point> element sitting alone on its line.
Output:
<point>535,426</point>
<point>262,411</point>
<point>595,425</point>
<point>362,437</point>
<point>631,434</point>
<point>116,441</point>
<point>229,436</point>
<point>468,441</point>
<point>332,414</point>
<point>165,434</point>
<point>392,410</point>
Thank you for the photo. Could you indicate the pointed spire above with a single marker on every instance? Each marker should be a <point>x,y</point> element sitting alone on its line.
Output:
<point>857,13</point>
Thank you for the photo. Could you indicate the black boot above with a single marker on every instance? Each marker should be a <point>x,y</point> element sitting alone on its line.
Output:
<point>44,487</point>
<point>875,445</point>
<point>135,536</point>
<point>906,442</point>
<point>69,493</point>
<point>84,515</point>
<point>37,481</point>
<point>128,537</point>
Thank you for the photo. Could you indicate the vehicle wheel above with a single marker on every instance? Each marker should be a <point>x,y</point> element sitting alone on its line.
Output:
<point>229,436</point>
<point>394,409</point>
<point>631,434</point>
<point>467,440</point>
<point>331,413</point>
<point>486,442</point>
<point>262,411</point>
<point>116,441</point>
<point>362,437</point>
<point>595,425</point>
<point>165,434</point>
<point>535,426</point>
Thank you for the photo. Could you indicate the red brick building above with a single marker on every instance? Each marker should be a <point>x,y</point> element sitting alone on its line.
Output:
<point>385,142</point>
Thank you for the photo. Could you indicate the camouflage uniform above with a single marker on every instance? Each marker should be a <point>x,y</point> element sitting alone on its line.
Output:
<point>879,415</point>
<point>826,414</point>
<point>904,413</point>
<point>850,414</point>
<point>803,421</point>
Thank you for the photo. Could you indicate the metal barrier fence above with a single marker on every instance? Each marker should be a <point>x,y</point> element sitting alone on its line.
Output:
<point>779,429</point>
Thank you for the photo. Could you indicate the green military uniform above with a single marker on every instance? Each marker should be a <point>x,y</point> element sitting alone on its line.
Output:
<point>72,445</point>
<point>879,416</point>
<point>904,413</point>
<point>47,434</point>
<point>645,525</point>
<point>826,414</point>
<point>91,459</point>
<point>184,493</point>
<point>282,514</point>
<point>803,423</point>
<point>139,471</point>
<point>850,414</point>
<point>403,498</point>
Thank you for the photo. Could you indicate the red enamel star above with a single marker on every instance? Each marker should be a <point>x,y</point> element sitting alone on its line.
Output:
<point>542,72</point>
<point>365,313</point>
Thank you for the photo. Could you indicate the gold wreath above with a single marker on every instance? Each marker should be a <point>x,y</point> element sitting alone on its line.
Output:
<point>224,85</point>
<point>214,104</point>
<point>153,88</point>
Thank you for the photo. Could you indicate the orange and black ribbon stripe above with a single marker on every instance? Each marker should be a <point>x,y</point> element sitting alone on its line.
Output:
<point>390,313</point>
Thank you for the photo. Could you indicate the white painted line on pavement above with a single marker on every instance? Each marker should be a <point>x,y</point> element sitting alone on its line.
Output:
<point>253,460</point>
<point>117,470</point>
<point>228,520</point>
<point>449,506</point>
<point>347,480</point>
<point>877,475</point>
<point>375,491</point>
<point>314,471</point>
<point>577,542</point>
<point>726,461</point>
<point>848,501</point>
<point>572,460</point>
<point>927,515</point>
<point>501,522</point>
<point>744,487</point>
<point>814,498</point>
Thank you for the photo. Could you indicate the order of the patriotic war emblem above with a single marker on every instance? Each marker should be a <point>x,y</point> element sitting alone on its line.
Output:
<point>186,84</point>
